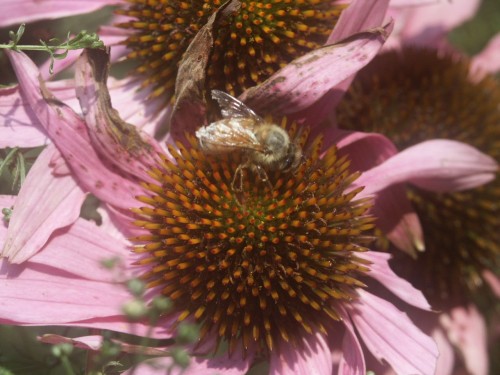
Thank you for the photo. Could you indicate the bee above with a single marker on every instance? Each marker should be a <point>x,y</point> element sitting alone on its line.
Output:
<point>266,146</point>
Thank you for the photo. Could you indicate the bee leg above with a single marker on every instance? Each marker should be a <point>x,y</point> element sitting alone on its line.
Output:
<point>238,172</point>
<point>262,175</point>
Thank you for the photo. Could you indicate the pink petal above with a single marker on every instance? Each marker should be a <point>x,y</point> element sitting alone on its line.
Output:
<point>85,342</point>
<point>19,11</point>
<point>446,359</point>
<point>222,365</point>
<point>488,61</point>
<point>16,122</point>
<point>45,203</point>
<point>315,358</point>
<point>306,79</point>
<point>69,134</point>
<point>437,165</point>
<point>398,220</point>
<point>66,284</point>
<point>466,329</point>
<point>428,26</point>
<point>364,150</point>
<point>381,272</point>
<point>391,336</point>
<point>359,16</point>
<point>352,361</point>
<point>80,251</point>
<point>94,343</point>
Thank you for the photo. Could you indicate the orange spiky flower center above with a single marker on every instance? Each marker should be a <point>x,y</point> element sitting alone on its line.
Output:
<point>416,95</point>
<point>261,38</point>
<point>268,264</point>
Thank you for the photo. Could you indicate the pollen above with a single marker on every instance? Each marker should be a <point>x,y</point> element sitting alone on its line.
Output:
<point>162,31</point>
<point>415,96</point>
<point>262,265</point>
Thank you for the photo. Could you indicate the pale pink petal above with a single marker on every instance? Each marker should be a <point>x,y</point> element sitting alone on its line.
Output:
<point>19,11</point>
<point>16,122</point>
<point>412,3</point>
<point>84,342</point>
<point>359,16</point>
<point>391,336</point>
<point>45,203</point>
<point>46,296</point>
<point>428,25</point>
<point>94,343</point>
<point>306,79</point>
<point>66,284</point>
<point>80,251</point>
<point>315,358</point>
<point>437,165</point>
<point>446,359</point>
<point>381,272</point>
<point>466,329</point>
<point>223,365</point>
<point>352,361</point>
<point>488,60</point>
<point>69,133</point>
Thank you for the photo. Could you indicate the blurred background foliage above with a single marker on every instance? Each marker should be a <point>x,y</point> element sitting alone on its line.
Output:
<point>20,352</point>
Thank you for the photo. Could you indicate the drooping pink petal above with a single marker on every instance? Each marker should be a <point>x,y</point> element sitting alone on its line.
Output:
<point>222,365</point>
<point>364,150</point>
<point>391,336</point>
<point>381,272</point>
<point>394,213</point>
<point>398,220</point>
<point>352,361</point>
<point>488,60</point>
<point>45,203</point>
<point>437,165</point>
<point>68,131</point>
<point>315,358</point>
<point>307,78</point>
<point>19,11</point>
<point>466,329</point>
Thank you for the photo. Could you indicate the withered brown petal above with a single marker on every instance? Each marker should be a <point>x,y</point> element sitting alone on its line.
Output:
<point>191,99</point>
<point>125,133</point>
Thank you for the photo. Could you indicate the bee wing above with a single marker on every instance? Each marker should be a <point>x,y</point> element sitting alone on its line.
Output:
<point>233,108</point>
<point>228,135</point>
